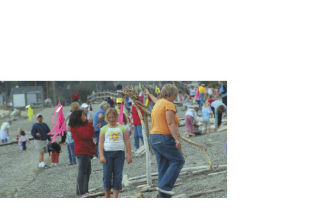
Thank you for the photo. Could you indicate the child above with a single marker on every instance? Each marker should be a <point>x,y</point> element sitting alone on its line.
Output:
<point>206,112</point>
<point>190,118</point>
<point>23,139</point>
<point>114,140</point>
<point>55,148</point>
<point>70,146</point>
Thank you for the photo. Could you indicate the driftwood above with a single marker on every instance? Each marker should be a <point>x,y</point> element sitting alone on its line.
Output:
<point>186,171</point>
<point>97,194</point>
<point>204,149</point>
<point>13,142</point>
<point>146,146</point>
<point>197,194</point>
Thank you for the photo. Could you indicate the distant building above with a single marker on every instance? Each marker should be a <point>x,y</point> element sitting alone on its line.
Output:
<point>29,95</point>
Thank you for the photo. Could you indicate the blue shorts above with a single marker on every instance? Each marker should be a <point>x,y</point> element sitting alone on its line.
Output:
<point>112,170</point>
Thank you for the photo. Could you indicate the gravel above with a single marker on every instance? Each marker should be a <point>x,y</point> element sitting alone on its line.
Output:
<point>21,177</point>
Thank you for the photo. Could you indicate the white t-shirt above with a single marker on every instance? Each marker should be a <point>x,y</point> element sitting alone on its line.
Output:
<point>113,137</point>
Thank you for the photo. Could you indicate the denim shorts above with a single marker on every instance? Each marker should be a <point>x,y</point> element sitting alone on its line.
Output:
<point>112,170</point>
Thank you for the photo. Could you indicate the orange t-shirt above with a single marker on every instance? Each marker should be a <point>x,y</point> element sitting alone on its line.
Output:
<point>159,123</point>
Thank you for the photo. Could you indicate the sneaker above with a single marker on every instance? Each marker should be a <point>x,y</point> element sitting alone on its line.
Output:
<point>165,191</point>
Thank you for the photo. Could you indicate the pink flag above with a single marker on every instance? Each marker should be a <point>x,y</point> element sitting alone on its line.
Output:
<point>198,94</point>
<point>120,119</point>
<point>60,126</point>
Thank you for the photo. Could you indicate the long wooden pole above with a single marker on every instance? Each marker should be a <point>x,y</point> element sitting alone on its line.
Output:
<point>146,146</point>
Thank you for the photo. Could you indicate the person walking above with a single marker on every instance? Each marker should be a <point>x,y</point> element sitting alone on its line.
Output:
<point>40,132</point>
<point>82,133</point>
<point>165,140</point>
<point>114,141</point>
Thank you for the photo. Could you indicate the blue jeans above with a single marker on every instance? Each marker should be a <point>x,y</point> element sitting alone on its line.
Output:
<point>169,159</point>
<point>97,136</point>
<point>137,134</point>
<point>72,156</point>
<point>201,101</point>
<point>84,171</point>
<point>113,168</point>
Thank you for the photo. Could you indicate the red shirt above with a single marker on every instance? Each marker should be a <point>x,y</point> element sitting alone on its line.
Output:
<point>83,139</point>
<point>135,116</point>
<point>210,101</point>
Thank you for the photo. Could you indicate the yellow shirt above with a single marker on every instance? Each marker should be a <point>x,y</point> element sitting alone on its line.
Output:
<point>159,123</point>
<point>202,90</point>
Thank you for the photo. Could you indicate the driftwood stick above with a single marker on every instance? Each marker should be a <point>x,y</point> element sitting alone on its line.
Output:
<point>197,194</point>
<point>146,145</point>
<point>204,149</point>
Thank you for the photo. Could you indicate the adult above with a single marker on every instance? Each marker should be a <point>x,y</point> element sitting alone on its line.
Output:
<point>165,140</point>
<point>82,133</point>
<point>137,129</point>
<point>4,131</point>
<point>202,91</point>
<point>40,134</point>
<point>97,124</point>
<point>218,108</point>
<point>223,92</point>
<point>85,108</point>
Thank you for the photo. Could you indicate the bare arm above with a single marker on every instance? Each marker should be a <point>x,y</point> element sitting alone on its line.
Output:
<point>153,98</point>
<point>128,146</point>
<point>173,127</point>
<point>102,159</point>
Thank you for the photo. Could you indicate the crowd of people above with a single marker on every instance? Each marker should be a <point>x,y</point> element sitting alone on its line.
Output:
<point>105,134</point>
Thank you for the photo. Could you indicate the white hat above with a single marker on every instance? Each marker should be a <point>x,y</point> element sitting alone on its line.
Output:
<point>84,105</point>
<point>38,115</point>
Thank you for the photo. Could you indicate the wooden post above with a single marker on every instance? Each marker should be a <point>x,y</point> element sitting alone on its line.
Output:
<point>146,146</point>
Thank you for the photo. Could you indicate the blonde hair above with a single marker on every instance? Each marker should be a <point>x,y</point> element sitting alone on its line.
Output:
<point>74,106</point>
<point>207,104</point>
<point>111,111</point>
<point>169,90</point>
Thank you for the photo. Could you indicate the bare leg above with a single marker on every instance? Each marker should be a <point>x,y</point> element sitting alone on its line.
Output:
<point>41,157</point>
<point>116,193</point>
<point>108,193</point>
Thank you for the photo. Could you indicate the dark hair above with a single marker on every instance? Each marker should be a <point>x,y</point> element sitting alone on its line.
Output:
<point>22,133</point>
<point>75,119</point>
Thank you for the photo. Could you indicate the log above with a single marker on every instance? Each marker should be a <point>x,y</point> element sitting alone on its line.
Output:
<point>197,194</point>
<point>13,142</point>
